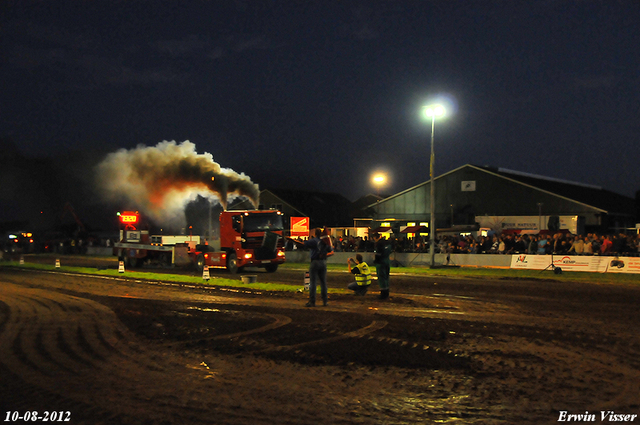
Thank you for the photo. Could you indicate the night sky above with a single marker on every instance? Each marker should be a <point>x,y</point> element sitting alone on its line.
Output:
<point>319,94</point>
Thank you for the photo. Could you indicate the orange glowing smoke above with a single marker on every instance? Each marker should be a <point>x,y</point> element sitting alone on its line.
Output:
<point>161,180</point>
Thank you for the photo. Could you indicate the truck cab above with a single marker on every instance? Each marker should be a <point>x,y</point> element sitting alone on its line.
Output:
<point>247,238</point>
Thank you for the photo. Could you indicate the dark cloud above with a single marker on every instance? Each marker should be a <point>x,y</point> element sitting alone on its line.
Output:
<point>596,81</point>
<point>318,94</point>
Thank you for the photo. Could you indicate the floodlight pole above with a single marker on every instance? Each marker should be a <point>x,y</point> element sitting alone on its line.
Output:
<point>432,226</point>
<point>433,111</point>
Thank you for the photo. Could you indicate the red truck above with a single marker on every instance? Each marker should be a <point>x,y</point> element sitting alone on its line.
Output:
<point>251,238</point>
<point>247,238</point>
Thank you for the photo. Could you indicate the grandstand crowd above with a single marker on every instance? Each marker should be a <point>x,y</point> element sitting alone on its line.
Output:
<point>509,243</point>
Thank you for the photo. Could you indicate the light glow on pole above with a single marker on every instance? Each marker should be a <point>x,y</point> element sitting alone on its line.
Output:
<point>379,180</point>
<point>434,111</point>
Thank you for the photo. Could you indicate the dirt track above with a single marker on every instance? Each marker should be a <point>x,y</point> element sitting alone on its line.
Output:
<point>117,351</point>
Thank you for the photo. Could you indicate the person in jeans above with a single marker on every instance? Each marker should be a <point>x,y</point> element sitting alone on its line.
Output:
<point>318,252</point>
<point>383,264</point>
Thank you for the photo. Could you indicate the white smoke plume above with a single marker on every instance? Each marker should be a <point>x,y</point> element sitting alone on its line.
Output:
<point>159,181</point>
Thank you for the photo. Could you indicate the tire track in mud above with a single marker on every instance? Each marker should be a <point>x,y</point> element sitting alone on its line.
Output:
<point>310,341</point>
<point>74,354</point>
<point>358,333</point>
<point>279,320</point>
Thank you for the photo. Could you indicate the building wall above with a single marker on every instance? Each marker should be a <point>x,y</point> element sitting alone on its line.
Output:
<point>468,192</point>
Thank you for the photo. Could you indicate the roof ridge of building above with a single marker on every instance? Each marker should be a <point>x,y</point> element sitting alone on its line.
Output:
<point>552,179</point>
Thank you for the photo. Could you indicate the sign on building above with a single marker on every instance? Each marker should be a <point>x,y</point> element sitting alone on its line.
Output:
<point>300,226</point>
<point>468,186</point>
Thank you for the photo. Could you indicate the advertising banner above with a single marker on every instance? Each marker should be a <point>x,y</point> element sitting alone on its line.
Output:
<point>532,223</point>
<point>624,265</point>
<point>300,226</point>
<point>577,263</point>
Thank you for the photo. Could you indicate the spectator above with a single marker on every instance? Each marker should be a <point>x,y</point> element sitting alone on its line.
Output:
<point>577,246</point>
<point>557,243</point>
<point>533,245</point>
<point>486,245</point>
<point>605,248</point>
<point>542,245</point>
<point>588,249</point>
<point>521,244</point>
<point>319,251</point>
<point>495,244</point>
<point>564,244</point>
<point>509,244</point>
<point>595,244</point>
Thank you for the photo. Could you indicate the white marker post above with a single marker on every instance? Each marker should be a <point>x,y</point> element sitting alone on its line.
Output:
<point>205,273</point>
<point>121,267</point>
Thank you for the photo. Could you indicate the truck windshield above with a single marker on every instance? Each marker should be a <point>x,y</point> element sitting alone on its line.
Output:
<point>262,222</point>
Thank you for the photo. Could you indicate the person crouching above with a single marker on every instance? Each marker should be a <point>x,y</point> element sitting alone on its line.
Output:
<point>363,275</point>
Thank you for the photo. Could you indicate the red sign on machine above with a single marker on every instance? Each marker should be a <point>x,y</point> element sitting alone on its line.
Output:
<point>128,217</point>
<point>300,226</point>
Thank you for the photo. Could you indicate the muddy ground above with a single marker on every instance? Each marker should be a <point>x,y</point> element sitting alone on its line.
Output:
<point>107,351</point>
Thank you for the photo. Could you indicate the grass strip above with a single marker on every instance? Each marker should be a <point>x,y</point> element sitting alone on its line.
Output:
<point>163,277</point>
<point>449,272</point>
<point>496,273</point>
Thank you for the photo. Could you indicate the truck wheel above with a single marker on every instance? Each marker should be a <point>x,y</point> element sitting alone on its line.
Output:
<point>200,262</point>
<point>271,268</point>
<point>232,263</point>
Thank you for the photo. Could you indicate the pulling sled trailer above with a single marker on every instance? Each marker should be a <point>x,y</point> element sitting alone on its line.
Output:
<point>135,247</point>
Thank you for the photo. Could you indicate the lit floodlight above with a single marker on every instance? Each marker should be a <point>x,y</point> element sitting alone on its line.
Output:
<point>379,179</point>
<point>434,111</point>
